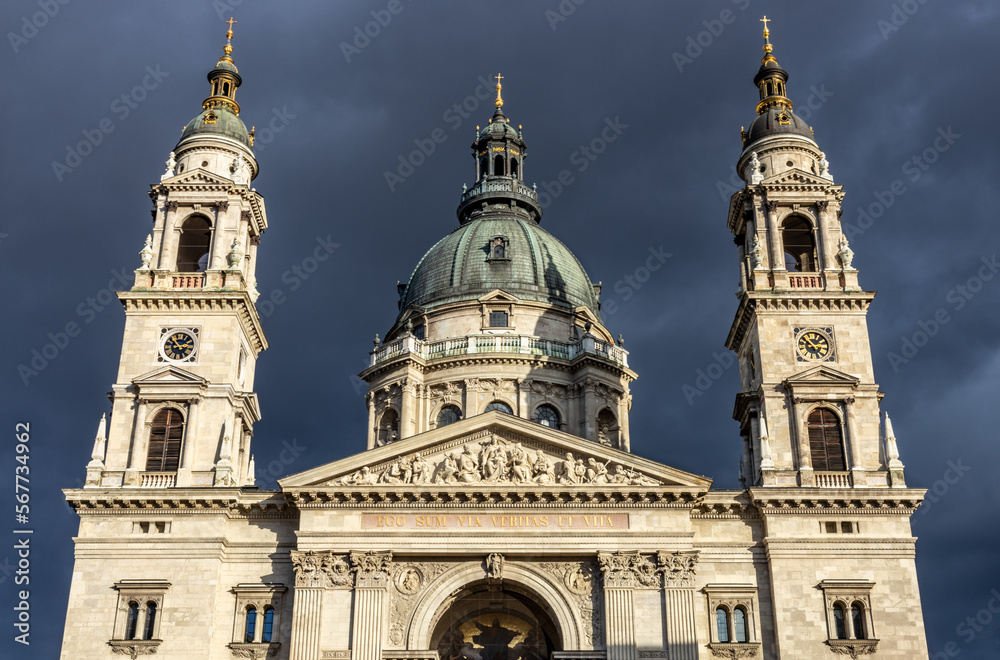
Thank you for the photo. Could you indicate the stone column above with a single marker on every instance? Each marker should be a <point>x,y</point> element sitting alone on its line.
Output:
<point>405,409</point>
<point>801,441</point>
<point>168,245</point>
<point>307,606</point>
<point>618,571</point>
<point>187,449</point>
<point>827,252</point>
<point>678,594</point>
<point>590,409</point>
<point>777,256</point>
<point>371,578</point>
<point>857,466</point>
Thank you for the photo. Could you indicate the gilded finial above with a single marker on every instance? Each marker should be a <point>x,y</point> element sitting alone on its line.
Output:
<point>499,101</point>
<point>767,36</point>
<point>228,48</point>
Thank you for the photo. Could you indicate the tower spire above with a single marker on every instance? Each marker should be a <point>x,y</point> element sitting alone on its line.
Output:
<point>224,78</point>
<point>499,101</point>
<point>770,78</point>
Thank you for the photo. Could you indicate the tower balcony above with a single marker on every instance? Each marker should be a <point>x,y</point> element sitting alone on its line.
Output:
<point>167,279</point>
<point>502,343</point>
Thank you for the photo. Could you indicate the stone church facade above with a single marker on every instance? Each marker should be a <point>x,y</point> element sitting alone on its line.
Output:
<point>497,512</point>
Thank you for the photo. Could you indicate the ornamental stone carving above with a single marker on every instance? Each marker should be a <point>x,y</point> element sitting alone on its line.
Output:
<point>734,651</point>
<point>321,569</point>
<point>496,461</point>
<point>410,580</point>
<point>371,569</point>
<point>627,570</point>
<point>678,568</point>
<point>853,647</point>
<point>580,578</point>
<point>494,566</point>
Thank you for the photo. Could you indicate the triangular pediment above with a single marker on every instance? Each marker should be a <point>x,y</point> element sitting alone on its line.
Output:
<point>796,177</point>
<point>493,451</point>
<point>198,177</point>
<point>168,376</point>
<point>822,375</point>
<point>498,295</point>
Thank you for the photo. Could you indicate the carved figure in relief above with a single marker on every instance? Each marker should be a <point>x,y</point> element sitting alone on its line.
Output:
<point>579,472</point>
<point>448,472</point>
<point>421,469</point>
<point>468,467</point>
<point>543,470</point>
<point>394,475</point>
<point>406,465</point>
<point>619,476</point>
<point>493,461</point>
<point>567,470</point>
<point>494,566</point>
<point>520,467</point>
<point>596,473</point>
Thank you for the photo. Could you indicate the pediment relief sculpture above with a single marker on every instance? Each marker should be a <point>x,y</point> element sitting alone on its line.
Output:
<point>496,460</point>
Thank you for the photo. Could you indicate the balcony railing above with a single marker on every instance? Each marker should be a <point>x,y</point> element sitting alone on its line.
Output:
<point>499,185</point>
<point>832,479</point>
<point>157,480</point>
<point>504,343</point>
<point>805,281</point>
<point>187,281</point>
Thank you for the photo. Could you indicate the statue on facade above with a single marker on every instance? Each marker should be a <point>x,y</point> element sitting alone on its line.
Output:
<point>468,467</point>
<point>755,174</point>
<point>171,164</point>
<point>146,253</point>
<point>494,566</point>
<point>846,254</point>
<point>757,254</point>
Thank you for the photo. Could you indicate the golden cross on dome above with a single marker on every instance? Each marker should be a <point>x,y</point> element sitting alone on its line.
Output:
<point>765,20</point>
<point>229,35</point>
<point>499,101</point>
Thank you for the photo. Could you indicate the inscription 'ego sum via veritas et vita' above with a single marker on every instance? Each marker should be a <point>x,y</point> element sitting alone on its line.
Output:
<point>569,522</point>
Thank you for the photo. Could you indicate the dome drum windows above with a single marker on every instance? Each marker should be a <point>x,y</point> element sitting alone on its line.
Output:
<point>498,250</point>
<point>499,406</point>
<point>547,415</point>
<point>449,414</point>
<point>256,619</point>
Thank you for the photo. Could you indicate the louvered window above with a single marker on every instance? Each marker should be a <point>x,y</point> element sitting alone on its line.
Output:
<point>165,441</point>
<point>826,445</point>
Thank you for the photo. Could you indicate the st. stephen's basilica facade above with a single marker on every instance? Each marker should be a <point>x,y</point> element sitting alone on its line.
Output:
<point>497,512</point>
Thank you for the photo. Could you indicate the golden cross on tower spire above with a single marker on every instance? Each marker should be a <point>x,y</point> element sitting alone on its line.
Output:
<point>499,101</point>
<point>767,36</point>
<point>229,34</point>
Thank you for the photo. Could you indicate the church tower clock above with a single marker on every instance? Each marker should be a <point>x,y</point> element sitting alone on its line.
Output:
<point>808,405</point>
<point>183,403</point>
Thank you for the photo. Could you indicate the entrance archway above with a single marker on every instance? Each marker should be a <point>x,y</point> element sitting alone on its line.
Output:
<point>531,595</point>
<point>485,623</point>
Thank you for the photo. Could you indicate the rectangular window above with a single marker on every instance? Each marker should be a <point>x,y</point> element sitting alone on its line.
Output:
<point>498,319</point>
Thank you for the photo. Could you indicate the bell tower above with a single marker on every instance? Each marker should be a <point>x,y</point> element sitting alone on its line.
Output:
<point>183,405</point>
<point>808,406</point>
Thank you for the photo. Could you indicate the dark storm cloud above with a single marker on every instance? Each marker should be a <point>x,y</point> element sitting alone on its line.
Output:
<point>337,118</point>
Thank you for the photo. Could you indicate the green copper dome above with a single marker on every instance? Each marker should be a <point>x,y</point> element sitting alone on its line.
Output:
<point>535,266</point>
<point>225,124</point>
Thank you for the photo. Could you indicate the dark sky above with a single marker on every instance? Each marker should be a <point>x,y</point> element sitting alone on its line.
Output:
<point>883,84</point>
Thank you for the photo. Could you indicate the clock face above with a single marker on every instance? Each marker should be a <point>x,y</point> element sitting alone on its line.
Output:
<point>178,345</point>
<point>813,345</point>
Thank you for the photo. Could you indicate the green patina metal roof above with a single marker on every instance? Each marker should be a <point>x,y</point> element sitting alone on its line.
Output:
<point>539,267</point>
<point>227,124</point>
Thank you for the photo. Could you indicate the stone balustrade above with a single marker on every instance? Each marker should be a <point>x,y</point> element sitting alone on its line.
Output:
<point>499,343</point>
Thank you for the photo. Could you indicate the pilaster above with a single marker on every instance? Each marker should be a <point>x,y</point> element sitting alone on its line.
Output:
<point>371,578</point>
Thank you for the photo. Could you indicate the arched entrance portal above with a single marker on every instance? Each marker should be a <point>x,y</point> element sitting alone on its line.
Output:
<point>487,622</point>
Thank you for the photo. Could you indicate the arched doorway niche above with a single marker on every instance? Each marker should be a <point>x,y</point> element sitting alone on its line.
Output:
<point>523,599</point>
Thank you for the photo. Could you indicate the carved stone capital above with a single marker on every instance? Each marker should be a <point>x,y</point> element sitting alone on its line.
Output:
<point>798,400</point>
<point>771,205</point>
<point>255,240</point>
<point>823,205</point>
<point>194,401</point>
<point>141,402</point>
<point>627,570</point>
<point>371,569</point>
<point>849,400</point>
<point>321,569</point>
<point>678,568</point>
<point>245,216</point>
<point>171,205</point>
<point>222,205</point>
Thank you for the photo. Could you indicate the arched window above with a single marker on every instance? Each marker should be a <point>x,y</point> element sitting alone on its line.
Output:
<point>826,445</point>
<point>513,167</point>
<point>484,164</point>
<point>722,624</point>
<point>800,248</point>
<point>839,624</point>
<point>858,620</point>
<point>150,627</point>
<point>165,436</point>
<point>498,166</point>
<point>546,415</point>
<point>225,88</point>
<point>739,625</point>
<point>132,620</point>
<point>499,251</point>
<point>193,245</point>
<point>250,628</point>
<point>388,427</point>
<point>268,630</point>
<point>499,406</point>
<point>449,415</point>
